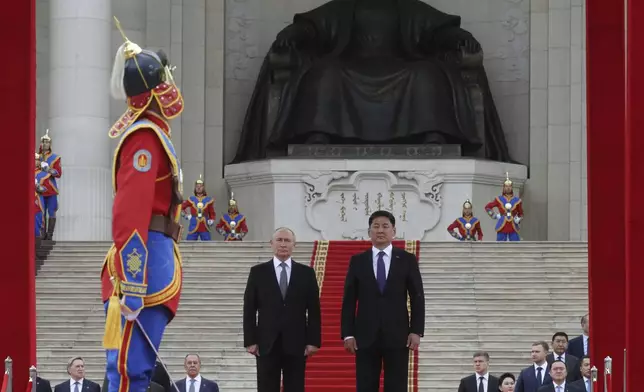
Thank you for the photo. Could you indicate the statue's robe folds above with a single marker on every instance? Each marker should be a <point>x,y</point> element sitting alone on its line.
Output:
<point>349,88</point>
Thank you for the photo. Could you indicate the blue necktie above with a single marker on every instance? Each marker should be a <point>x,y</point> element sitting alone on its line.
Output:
<point>381,275</point>
<point>539,376</point>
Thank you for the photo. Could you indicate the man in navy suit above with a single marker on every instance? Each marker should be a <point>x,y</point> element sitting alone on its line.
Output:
<point>533,377</point>
<point>77,381</point>
<point>558,374</point>
<point>42,385</point>
<point>194,382</point>
<point>579,346</point>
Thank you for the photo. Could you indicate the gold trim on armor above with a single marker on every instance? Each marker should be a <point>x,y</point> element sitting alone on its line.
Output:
<point>135,127</point>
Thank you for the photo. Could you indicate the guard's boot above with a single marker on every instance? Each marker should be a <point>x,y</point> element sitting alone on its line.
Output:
<point>51,225</point>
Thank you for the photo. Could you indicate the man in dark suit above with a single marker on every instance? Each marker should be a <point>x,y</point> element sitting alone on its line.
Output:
<point>194,382</point>
<point>380,280</point>
<point>584,368</point>
<point>538,374</point>
<point>579,346</point>
<point>77,381</point>
<point>559,346</point>
<point>282,321</point>
<point>42,385</point>
<point>558,382</point>
<point>481,380</point>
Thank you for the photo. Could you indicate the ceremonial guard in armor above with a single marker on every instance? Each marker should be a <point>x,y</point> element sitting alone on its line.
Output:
<point>467,227</point>
<point>508,215</point>
<point>40,189</point>
<point>141,276</point>
<point>233,224</point>
<point>199,210</point>
<point>50,164</point>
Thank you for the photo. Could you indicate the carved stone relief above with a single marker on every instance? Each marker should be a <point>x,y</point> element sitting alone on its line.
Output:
<point>338,204</point>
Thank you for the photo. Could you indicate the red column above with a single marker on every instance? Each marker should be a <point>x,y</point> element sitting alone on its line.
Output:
<point>634,191</point>
<point>18,105</point>
<point>606,179</point>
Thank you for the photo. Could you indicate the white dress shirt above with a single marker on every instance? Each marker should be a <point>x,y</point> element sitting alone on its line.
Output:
<point>586,383</point>
<point>562,386</point>
<point>72,382</point>
<point>485,380</point>
<point>386,258</point>
<point>278,269</point>
<point>585,337</point>
<point>556,356</point>
<point>197,383</point>
<point>544,370</point>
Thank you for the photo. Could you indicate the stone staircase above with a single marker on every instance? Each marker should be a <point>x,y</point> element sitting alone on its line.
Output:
<point>496,297</point>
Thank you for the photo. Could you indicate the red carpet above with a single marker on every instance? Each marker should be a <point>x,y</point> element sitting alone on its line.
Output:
<point>332,368</point>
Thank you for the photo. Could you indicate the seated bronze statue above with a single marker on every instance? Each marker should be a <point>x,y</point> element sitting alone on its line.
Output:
<point>373,72</point>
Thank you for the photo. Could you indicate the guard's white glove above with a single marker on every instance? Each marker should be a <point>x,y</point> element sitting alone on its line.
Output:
<point>517,219</point>
<point>498,216</point>
<point>210,222</point>
<point>44,165</point>
<point>189,217</point>
<point>238,236</point>
<point>129,316</point>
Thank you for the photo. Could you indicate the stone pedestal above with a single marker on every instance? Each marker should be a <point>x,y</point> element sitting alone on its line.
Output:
<point>332,199</point>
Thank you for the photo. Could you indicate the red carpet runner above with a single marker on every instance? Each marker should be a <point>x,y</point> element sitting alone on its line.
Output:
<point>333,368</point>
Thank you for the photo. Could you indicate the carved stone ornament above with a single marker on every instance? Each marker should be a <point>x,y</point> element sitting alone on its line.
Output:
<point>338,204</point>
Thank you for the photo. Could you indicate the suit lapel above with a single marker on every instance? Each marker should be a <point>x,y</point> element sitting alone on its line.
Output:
<point>203,384</point>
<point>295,270</point>
<point>270,274</point>
<point>473,384</point>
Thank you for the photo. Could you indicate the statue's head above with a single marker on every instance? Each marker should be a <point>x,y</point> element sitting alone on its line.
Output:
<point>144,79</point>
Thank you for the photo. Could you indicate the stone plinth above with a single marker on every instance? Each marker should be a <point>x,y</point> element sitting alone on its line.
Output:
<point>332,199</point>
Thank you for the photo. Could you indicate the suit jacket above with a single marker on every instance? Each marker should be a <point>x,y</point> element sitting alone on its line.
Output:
<point>42,385</point>
<point>267,316</point>
<point>579,384</point>
<point>88,386</point>
<point>206,385</point>
<point>572,366</point>
<point>383,312</point>
<point>576,346</point>
<point>527,380</point>
<point>471,384</point>
<point>550,387</point>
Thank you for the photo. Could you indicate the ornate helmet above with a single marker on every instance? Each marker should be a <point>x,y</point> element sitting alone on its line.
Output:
<point>44,138</point>
<point>232,202</point>
<point>139,75</point>
<point>467,204</point>
<point>507,179</point>
<point>199,181</point>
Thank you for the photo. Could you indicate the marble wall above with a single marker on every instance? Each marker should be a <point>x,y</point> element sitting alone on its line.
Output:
<point>534,58</point>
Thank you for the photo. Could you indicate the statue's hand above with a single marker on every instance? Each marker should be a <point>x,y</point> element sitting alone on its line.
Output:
<point>469,46</point>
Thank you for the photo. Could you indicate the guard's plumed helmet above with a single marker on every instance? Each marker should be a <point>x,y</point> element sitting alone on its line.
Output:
<point>138,75</point>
